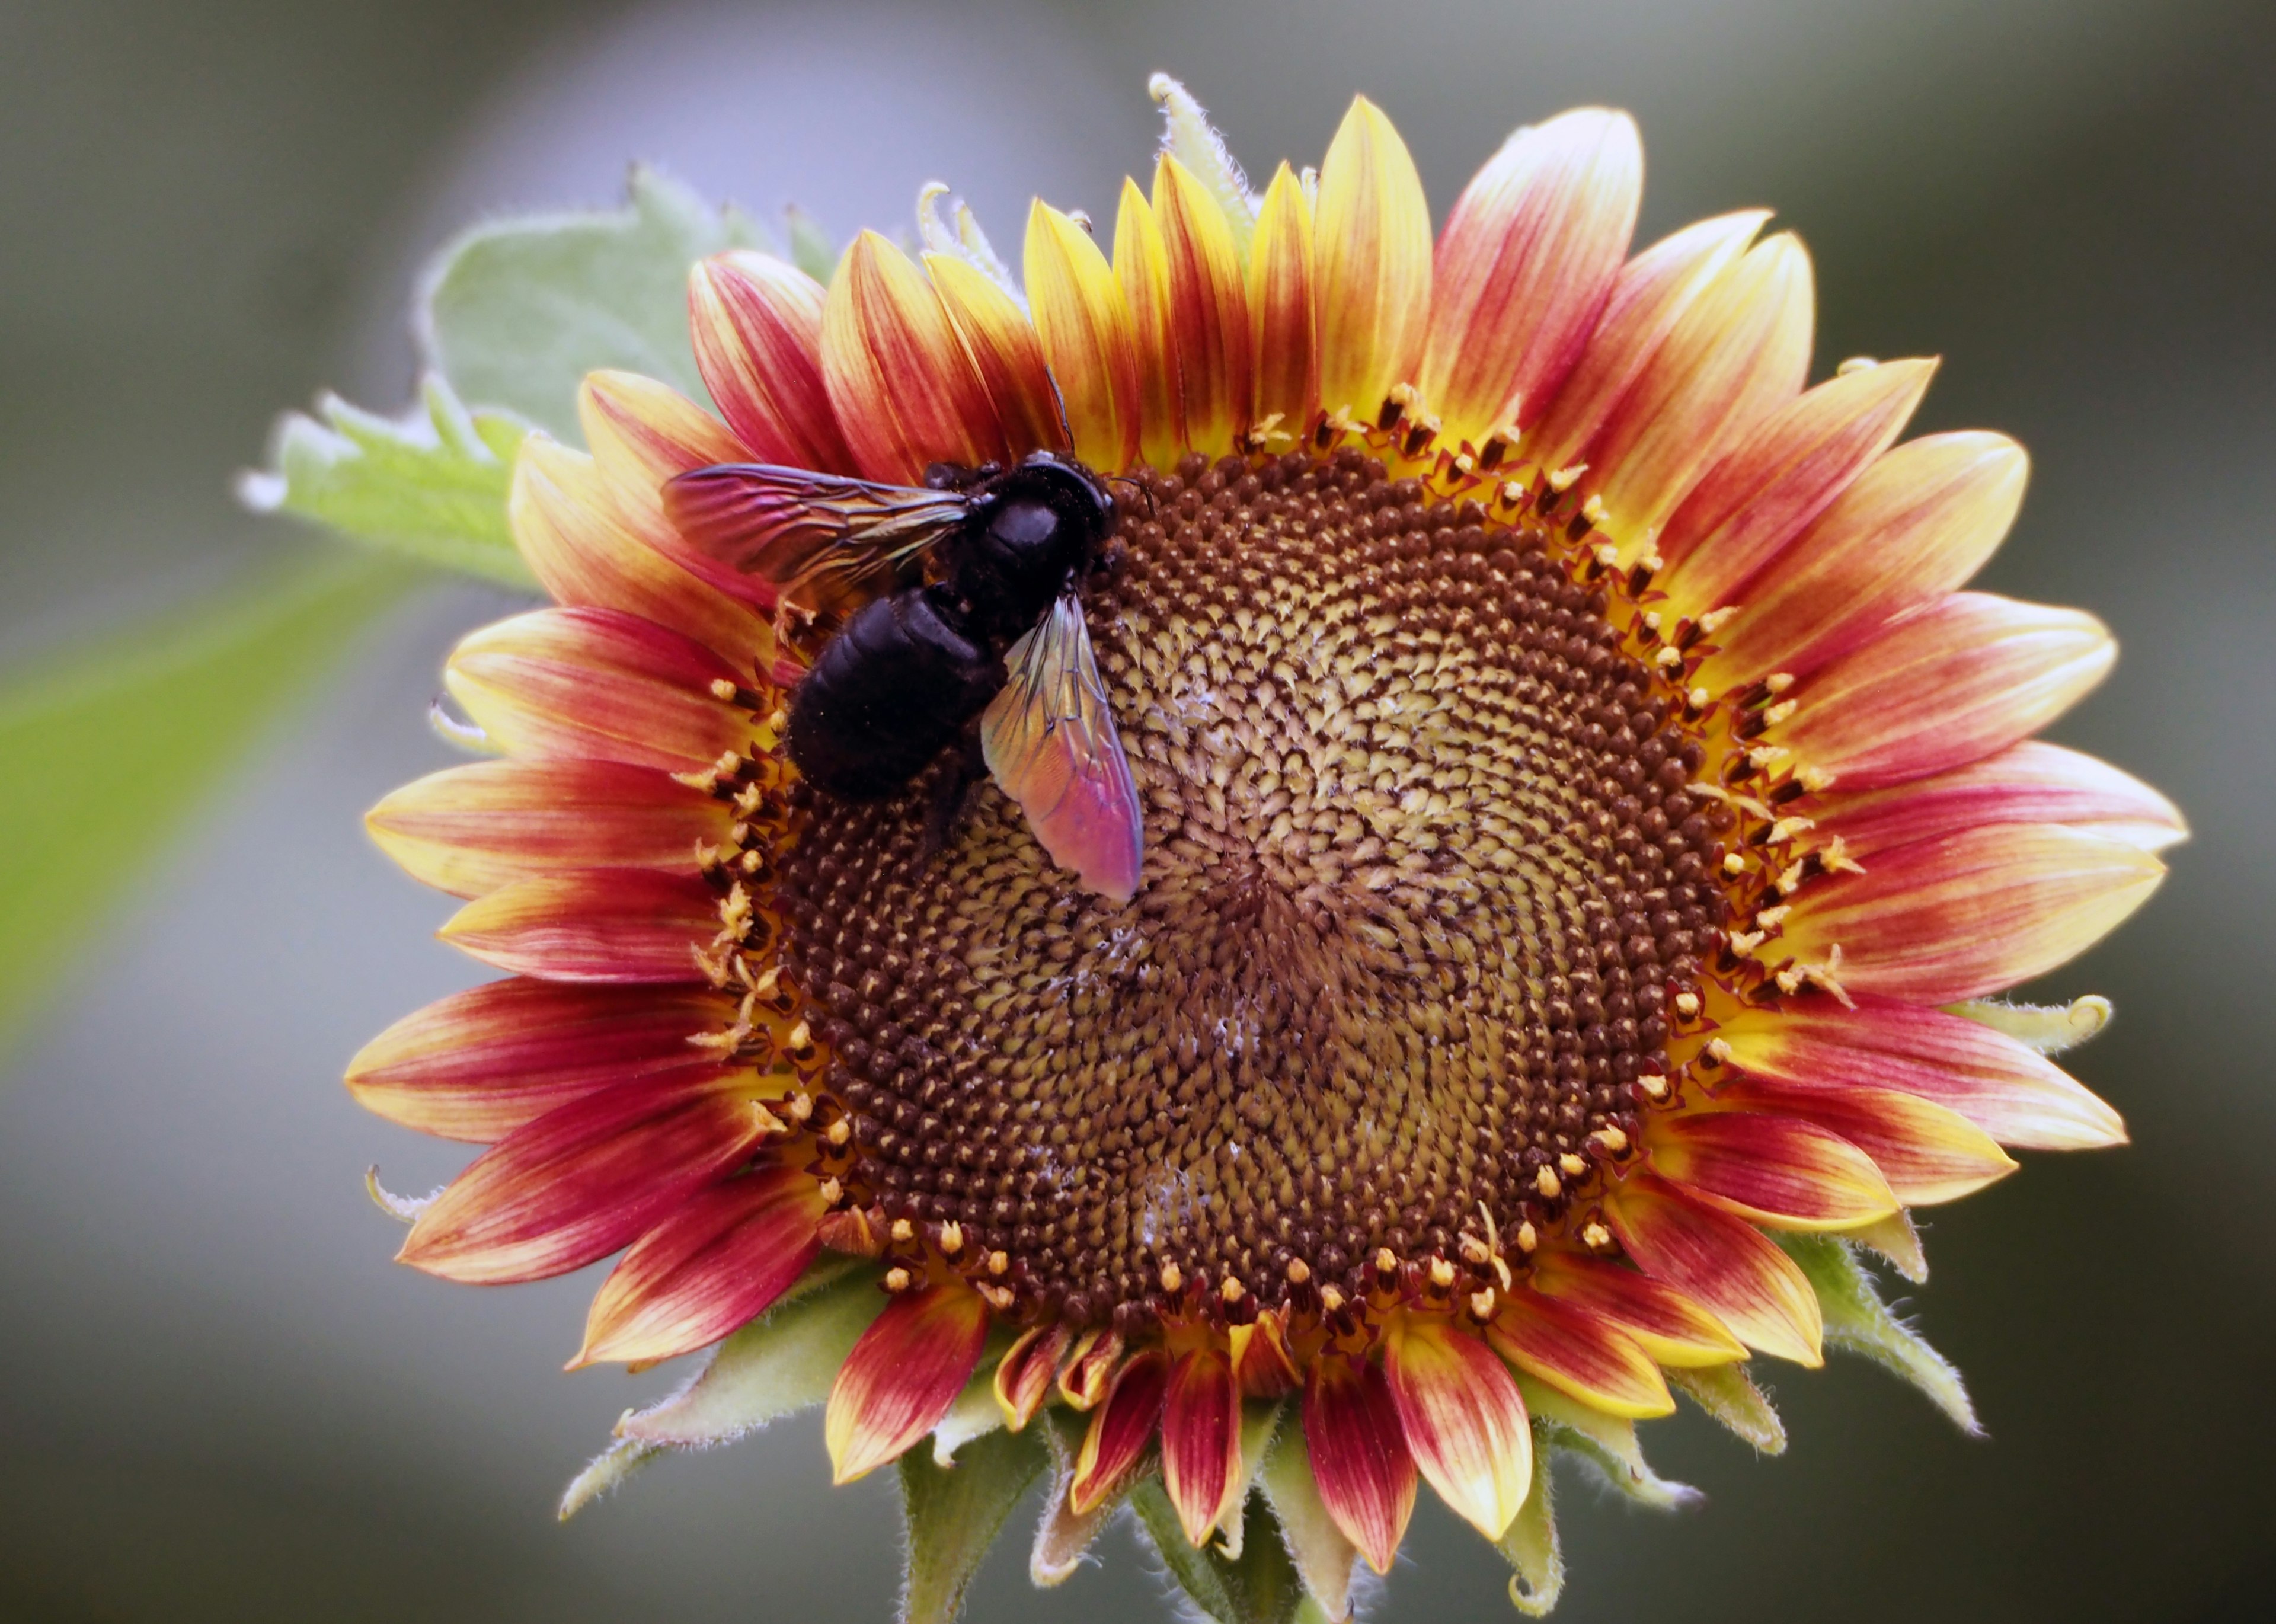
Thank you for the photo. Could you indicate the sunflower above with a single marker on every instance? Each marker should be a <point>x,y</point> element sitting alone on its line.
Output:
<point>1582,811</point>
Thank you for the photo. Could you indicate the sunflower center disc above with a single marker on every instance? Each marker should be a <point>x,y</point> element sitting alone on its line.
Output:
<point>1422,876</point>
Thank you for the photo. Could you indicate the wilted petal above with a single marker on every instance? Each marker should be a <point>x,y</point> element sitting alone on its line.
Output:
<point>1083,323</point>
<point>1462,1419</point>
<point>1524,267</point>
<point>1928,1153</point>
<point>1261,1363</point>
<point>903,388</point>
<point>1775,1170</point>
<point>902,1376</point>
<point>598,683</point>
<point>1024,1374</point>
<point>1122,1428</point>
<point>1200,1440</point>
<point>1787,472</point>
<point>1581,1353</point>
<point>1668,1326</point>
<point>583,1179</point>
<point>756,323</point>
<point>1209,309</point>
<point>1913,526</point>
<point>2017,1096</point>
<point>1005,351</point>
<point>592,925</point>
<point>716,1262</point>
<point>1722,1262</point>
<point>1360,1458</point>
<point>1284,347</point>
<point>1372,241</point>
<point>2027,783</point>
<point>470,829</point>
<point>1968,676</point>
<point>1942,920</point>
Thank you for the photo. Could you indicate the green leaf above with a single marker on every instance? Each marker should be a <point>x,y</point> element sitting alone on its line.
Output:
<point>954,1514</point>
<point>430,485</point>
<point>1259,1586</point>
<point>2049,1028</point>
<point>1857,1319</point>
<point>517,312</point>
<point>1607,1443</point>
<point>1730,1397</point>
<point>105,751</point>
<point>1531,1541</point>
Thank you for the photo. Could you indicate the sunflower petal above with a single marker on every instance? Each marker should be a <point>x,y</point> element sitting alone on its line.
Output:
<point>1578,1352</point>
<point>756,323</point>
<point>470,829</point>
<point>902,1376</point>
<point>1209,310</point>
<point>481,1063</point>
<point>1972,912</point>
<point>592,925</point>
<point>1141,270</point>
<point>1524,267</point>
<point>2027,783</point>
<point>582,1181</point>
<point>1719,1262</point>
<point>1200,1440</point>
<point>1084,325</point>
<point>1774,1170</point>
<point>1121,1428</point>
<point>1003,350</point>
<point>1358,1455</point>
<point>1668,1326</point>
<point>904,390</point>
<point>1928,1153</point>
<point>2014,1094</point>
<point>712,1266</point>
<point>1462,1419</point>
<point>1284,337</point>
<point>1371,239</point>
<point>1024,1374</point>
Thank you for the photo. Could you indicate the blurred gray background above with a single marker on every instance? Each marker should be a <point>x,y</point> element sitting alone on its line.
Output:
<point>218,1399</point>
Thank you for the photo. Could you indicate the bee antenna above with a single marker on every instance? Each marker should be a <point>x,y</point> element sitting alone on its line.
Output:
<point>1140,486</point>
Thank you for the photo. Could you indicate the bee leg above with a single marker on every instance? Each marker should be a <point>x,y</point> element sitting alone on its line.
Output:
<point>953,793</point>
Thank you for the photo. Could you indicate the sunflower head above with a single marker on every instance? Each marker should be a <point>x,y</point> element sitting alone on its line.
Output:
<point>1582,813</point>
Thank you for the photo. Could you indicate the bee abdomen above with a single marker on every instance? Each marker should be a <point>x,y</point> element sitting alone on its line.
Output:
<point>887,695</point>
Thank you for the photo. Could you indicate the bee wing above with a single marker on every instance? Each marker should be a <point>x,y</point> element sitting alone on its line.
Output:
<point>1048,739</point>
<point>806,533</point>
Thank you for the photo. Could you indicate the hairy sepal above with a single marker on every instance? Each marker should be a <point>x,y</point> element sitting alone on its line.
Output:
<point>1530,1543</point>
<point>1607,1443</point>
<point>954,1513</point>
<point>1858,1320</point>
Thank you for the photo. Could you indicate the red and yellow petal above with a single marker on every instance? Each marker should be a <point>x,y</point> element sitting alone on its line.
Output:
<point>756,324</point>
<point>902,1376</point>
<point>1284,336</point>
<point>1675,1330</point>
<point>1372,247</point>
<point>1524,266</point>
<point>2027,783</point>
<point>1122,1426</point>
<point>622,925</point>
<point>584,1180</point>
<point>470,829</point>
<point>1910,528</point>
<point>1964,677</point>
<point>1464,1422</point>
<point>715,1263</point>
<point>1209,309</point>
<point>1968,914</point>
<point>1141,272</point>
<point>1578,1352</point>
<point>2017,1096</point>
<point>598,683</point>
<point>1775,1170</point>
<point>1721,1263</point>
<point>1083,322</point>
<point>481,1063</point>
<point>1024,1373</point>
<point>1361,1463</point>
<point>1928,1153</point>
<point>1201,1439</point>
<point>899,382</point>
<point>1005,351</point>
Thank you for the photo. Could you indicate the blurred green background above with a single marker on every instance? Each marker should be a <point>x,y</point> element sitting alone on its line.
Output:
<point>217,1397</point>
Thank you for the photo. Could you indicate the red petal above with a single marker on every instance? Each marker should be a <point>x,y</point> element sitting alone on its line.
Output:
<point>1209,309</point>
<point>1284,334</point>
<point>1928,1153</point>
<point>756,323</point>
<point>1261,1361</point>
<point>470,829</point>
<point>481,1063</point>
<point>1002,345</point>
<point>1721,1263</point>
<point>717,1262</point>
<point>1669,1326</point>
<point>1200,1440</point>
<point>1360,1458</point>
<point>2027,783</point>
<point>582,1181</point>
<point>594,925</point>
<point>1462,1419</point>
<point>1774,1170</point>
<point>1024,1374</point>
<point>1120,1428</point>
<point>904,391</point>
<point>1580,1353</point>
<point>902,1376</point>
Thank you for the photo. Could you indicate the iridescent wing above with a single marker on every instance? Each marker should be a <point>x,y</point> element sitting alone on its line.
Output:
<point>1048,739</point>
<point>814,537</point>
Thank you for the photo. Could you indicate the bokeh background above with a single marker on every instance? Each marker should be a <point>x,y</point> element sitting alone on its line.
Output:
<point>218,1399</point>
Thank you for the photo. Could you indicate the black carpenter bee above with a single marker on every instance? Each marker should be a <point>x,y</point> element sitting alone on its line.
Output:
<point>976,560</point>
